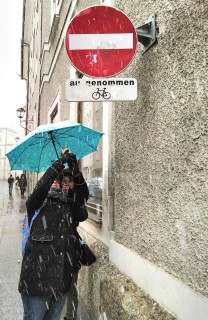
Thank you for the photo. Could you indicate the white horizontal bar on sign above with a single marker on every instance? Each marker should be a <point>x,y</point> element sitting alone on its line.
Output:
<point>101,41</point>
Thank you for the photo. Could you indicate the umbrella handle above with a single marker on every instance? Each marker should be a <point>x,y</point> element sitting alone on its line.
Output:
<point>52,139</point>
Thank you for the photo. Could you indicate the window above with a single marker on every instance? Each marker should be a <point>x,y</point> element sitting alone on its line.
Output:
<point>54,109</point>
<point>54,114</point>
<point>55,8</point>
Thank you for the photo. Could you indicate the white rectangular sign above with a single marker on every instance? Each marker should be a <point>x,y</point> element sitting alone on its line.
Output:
<point>101,41</point>
<point>105,89</point>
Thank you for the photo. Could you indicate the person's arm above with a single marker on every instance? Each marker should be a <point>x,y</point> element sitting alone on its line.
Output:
<point>81,213</point>
<point>81,185</point>
<point>80,197</point>
<point>81,194</point>
<point>79,209</point>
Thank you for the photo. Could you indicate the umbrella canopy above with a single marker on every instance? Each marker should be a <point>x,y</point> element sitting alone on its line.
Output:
<point>36,151</point>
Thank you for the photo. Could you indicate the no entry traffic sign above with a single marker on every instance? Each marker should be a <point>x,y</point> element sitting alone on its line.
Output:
<point>101,41</point>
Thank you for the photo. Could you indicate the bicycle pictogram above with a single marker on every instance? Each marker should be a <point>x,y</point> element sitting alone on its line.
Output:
<point>101,93</point>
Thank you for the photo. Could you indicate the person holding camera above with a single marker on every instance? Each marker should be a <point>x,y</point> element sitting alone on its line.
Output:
<point>52,254</point>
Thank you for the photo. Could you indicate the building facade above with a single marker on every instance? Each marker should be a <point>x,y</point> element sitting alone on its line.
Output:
<point>148,180</point>
<point>7,141</point>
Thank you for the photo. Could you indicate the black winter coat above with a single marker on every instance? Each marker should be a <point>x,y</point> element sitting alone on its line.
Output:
<point>52,251</point>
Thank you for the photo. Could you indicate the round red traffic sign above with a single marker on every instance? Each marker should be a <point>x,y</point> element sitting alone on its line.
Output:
<point>100,41</point>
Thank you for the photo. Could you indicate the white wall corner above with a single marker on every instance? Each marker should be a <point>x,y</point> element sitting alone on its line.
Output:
<point>177,298</point>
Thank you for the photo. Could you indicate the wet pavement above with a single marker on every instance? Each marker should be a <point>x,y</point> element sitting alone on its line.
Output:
<point>12,211</point>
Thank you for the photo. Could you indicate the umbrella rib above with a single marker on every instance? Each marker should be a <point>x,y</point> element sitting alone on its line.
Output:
<point>31,144</point>
<point>58,134</point>
<point>61,134</point>
<point>46,142</point>
<point>57,142</point>
<point>36,142</point>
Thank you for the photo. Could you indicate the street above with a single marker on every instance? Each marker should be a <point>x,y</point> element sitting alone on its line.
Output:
<point>12,214</point>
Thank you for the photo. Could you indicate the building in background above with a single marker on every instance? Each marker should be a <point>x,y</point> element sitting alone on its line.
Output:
<point>148,181</point>
<point>7,141</point>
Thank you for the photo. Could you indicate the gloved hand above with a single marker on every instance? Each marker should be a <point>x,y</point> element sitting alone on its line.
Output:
<point>70,158</point>
<point>66,157</point>
<point>74,164</point>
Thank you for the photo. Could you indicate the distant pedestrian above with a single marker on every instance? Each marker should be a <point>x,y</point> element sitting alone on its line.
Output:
<point>10,182</point>
<point>17,182</point>
<point>22,184</point>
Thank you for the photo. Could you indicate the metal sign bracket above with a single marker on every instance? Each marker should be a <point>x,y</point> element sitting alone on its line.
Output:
<point>146,34</point>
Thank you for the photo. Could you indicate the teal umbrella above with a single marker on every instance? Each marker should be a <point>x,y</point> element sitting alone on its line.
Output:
<point>36,151</point>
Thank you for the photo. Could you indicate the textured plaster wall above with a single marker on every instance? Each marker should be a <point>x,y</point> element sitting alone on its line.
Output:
<point>161,145</point>
<point>109,295</point>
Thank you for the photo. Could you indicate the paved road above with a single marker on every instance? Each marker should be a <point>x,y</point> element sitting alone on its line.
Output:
<point>12,211</point>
